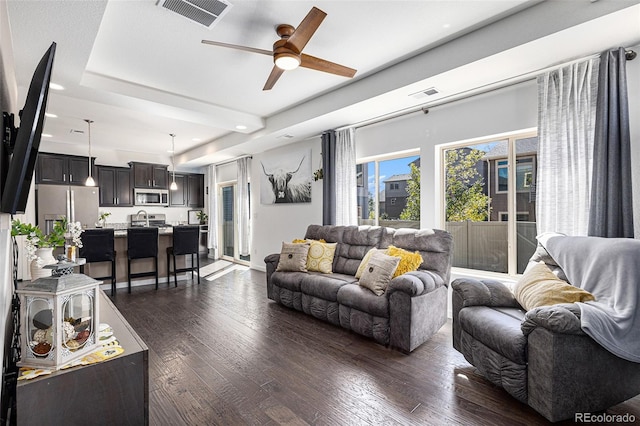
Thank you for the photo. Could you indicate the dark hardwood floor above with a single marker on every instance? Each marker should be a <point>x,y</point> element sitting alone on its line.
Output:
<point>221,353</point>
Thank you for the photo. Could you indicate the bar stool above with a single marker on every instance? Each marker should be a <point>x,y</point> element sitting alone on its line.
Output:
<point>142,243</point>
<point>98,246</point>
<point>185,241</point>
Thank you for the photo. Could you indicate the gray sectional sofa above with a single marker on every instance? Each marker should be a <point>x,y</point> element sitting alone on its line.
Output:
<point>411,310</point>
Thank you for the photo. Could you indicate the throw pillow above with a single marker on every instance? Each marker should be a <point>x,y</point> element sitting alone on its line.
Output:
<point>538,286</point>
<point>293,257</point>
<point>379,272</point>
<point>320,257</point>
<point>408,261</point>
<point>365,260</point>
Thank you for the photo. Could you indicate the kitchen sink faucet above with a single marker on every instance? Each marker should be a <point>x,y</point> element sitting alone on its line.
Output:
<point>146,216</point>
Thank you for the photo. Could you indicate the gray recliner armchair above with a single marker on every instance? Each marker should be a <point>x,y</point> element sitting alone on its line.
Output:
<point>541,357</point>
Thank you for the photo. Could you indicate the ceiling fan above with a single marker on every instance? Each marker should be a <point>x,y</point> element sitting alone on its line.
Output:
<point>287,52</point>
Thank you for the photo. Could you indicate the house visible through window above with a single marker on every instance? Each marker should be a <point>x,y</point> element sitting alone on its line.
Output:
<point>482,193</point>
<point>390,195</point>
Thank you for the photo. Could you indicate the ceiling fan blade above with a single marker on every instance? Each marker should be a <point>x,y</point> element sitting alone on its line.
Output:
<point>305,30</point>
<point>273,77</point>
<point>237,47</point>
<point>318,64</point>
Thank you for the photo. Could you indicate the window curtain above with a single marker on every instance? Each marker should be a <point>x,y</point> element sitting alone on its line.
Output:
<point>329,177</point>
<point>244,230</point>
<point>212,236</point>
<point>345,181</point>
<point>611,213</point>
<point>566,121</point>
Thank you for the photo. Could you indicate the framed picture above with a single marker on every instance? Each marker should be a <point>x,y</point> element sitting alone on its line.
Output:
<point>192,217</point>
<point>286,178</point>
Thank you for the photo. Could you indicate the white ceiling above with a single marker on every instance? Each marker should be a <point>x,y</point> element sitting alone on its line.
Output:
<point>141,72</point>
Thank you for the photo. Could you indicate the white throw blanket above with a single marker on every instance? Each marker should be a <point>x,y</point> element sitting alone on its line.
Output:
<point>609,268</point>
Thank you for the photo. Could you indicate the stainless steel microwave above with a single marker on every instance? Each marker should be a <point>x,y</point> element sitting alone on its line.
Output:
<point>151,197</point>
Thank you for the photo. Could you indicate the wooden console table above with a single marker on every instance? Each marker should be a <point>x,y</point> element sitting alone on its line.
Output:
<point>112,392</point>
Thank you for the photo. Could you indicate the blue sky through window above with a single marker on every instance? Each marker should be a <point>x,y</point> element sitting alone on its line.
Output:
<point>387,169</point>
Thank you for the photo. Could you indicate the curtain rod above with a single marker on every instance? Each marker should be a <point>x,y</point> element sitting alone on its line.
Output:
<point>487,88</point>
<point>221,163</point>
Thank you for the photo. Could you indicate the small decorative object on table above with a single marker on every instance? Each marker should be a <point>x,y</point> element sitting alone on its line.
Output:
<point>202,217</point>
<point>102,219</point>
<point>39,247</point>
<point>59,317</point>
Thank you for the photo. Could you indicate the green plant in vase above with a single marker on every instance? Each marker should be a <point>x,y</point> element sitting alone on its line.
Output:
<point>202,217</point>
<point>36,239</point>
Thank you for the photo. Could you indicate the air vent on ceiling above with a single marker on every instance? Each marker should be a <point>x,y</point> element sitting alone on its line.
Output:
<point>204,12</point>
<point>76,131</point>
<point>424,93</point>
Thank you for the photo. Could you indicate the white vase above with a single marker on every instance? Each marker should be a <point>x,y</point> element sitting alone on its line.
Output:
<point>46,254</point>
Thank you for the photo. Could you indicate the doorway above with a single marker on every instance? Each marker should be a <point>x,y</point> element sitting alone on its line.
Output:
<point>228,231</point>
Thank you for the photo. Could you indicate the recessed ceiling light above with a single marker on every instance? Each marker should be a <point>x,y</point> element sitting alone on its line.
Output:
<point>56,86</point>
<point>196,139</point>
<point>50,115</point>
<point>446,25</point>
<point>170,151</point>
<point>46,135</point>
<point>241,127</point>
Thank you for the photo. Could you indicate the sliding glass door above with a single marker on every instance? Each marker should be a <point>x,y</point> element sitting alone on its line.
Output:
<point>229,223</point>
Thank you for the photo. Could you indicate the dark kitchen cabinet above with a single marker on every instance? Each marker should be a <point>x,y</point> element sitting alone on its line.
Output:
<point>115,186</point>
<point>190,192</point>
<point>178,198</point>
<point>59,169</point>
<point>195,190</point>
<point>148,175</point>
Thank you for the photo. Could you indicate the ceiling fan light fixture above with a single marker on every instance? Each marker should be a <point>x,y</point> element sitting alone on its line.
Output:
<point>287,61</point>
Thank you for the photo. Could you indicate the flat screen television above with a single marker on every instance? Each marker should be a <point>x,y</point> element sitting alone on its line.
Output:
<point>27,141</point>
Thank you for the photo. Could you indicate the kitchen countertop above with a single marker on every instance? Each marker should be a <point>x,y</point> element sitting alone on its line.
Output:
<point>162,230</point>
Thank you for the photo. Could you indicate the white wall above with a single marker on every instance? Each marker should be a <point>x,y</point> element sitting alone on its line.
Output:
<point>272,224</point>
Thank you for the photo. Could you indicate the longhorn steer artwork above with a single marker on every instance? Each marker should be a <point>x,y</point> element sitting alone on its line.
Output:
<point>288,184</point>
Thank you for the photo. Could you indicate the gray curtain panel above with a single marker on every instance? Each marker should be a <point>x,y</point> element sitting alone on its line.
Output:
<point>611,211</point>
<point>329,179</point>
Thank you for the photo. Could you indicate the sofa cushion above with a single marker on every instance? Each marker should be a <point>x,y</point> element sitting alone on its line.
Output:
<point>538,286</point>
<point>409,261</point>
<point>293,257</point>
<point>378,273</point>
<point>323,286</point>
<point>289,280</point>
<point>360,298</point>
<point>320,257</point>
<point>498,329</point>
<point>365,260</point>
<point>353,243</point>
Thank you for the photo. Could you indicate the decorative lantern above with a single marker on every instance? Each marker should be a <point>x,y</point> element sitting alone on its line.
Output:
<point>59,317</point>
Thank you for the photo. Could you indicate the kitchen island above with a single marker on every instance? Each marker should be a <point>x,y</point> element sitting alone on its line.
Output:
<point>165,239</point>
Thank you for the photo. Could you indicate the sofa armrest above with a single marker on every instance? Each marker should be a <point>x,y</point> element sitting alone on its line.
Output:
<point>414,283</point>
<point>562,318</point>
<point>271,262</point>
<point>470,292</point>
<point>483,293</point>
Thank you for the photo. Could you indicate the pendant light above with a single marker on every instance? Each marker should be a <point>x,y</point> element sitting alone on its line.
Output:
<point>89,181</point>
<point>174,185</point>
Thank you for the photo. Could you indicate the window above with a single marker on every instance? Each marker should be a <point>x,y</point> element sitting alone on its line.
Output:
<point>482,193</point>
<point>524,174</point>
<point>390,195</point>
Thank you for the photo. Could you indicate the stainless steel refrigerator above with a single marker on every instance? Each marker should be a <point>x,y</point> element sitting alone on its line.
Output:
<point>77,203</point>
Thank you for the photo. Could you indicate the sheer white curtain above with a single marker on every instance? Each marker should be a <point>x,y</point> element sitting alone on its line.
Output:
<point>244,230</point>
<point>212,240</point>
<point>345,170</point>
<point>566,121</point>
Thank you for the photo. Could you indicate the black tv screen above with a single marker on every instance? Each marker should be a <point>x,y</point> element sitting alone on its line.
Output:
<point>27,141</point>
